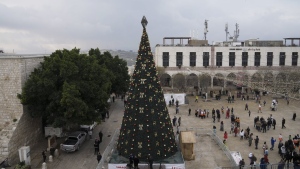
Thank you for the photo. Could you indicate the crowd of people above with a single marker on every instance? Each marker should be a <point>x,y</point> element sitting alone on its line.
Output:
<point>288,149</point>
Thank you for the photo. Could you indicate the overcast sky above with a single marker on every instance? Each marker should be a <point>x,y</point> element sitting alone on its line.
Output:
<point>43,26</point>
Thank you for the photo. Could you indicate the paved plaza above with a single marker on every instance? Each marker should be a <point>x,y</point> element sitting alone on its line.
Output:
<point>234,143</point>
<point>208,153</point>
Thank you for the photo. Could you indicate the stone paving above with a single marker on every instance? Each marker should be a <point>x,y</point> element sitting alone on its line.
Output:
<point>85,159</point>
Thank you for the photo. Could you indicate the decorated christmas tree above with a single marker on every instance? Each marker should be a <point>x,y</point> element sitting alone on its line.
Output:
<point>146,126</point>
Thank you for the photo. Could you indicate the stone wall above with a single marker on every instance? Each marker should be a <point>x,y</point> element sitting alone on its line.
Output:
<point>17,128</point>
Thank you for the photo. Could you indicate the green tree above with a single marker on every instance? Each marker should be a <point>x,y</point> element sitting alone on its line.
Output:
<point>146,127</point>
<point>68,88</point>
<point>118,67</point>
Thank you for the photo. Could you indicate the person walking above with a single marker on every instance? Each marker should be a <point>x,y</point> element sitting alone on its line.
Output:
<point>100,136</point>
<point>283,123</point>
<point>256,140</point>
<point>96,147</point>
<point>174,121</point>
<point>136,162</point>
<point>272,143</point>
<point>259,108</point>
<point>44,155</point>
<point>90,133</point>
<point>99,157</point>
<point>179,121</point>
<point>246,106</point>
<point>264,147</point>
<point>250,140</point>
<point>273,123</point>
<point>222,126</point>
<point>280,138</point>
<point>190,111</point>
<point>242,163</point>
<point>196,100</point>
<point>177,109</point>
<point>249,112</point>
<point>294,116</point>
<point>225,135</point>
<point>150,161</point>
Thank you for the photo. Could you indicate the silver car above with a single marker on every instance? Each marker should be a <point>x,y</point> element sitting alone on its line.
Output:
<point>73,142</point>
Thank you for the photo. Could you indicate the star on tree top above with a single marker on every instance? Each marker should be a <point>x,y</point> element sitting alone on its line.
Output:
<point>144,22</point>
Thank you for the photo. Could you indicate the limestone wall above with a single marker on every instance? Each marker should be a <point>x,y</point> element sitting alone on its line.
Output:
<point>17,128</point>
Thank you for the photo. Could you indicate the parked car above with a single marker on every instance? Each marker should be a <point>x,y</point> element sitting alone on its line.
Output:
<point>86,128</point>
<point>73,141</point>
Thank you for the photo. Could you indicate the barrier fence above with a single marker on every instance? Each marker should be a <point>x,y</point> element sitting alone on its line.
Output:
<point>109,150</point>
<point>227,152</point>
<point>198,131</point>
<point>212,134</point>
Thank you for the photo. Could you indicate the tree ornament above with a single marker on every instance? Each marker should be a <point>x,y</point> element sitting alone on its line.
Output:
<point>141,126</point>
<point>140,144</point>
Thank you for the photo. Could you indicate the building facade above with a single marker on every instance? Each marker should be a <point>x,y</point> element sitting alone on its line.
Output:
<point>249,63</point>
<point>17,127</point>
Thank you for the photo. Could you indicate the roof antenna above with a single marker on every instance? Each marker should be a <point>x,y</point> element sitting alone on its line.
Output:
<point>226,30</point>
<point>205,29</point>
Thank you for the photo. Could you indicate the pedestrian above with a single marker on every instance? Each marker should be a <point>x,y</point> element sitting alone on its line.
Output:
<point>242,134</point>
<point>280,138</point>
<point>232,128</point>
<point>136,162</point>
<point>222,126</point>
<point>272,143</point>
<point>294,116</point>
<point>283,123</point>
<point>196,100</point>
<point>242,163</point>
<point>174,121</point>
<point>113,98</point>
<point>264,147</point>
<point>225,135</point>
<point>150,161</point>
<point>90,133</point>
<point>44,155</point>
<point>235,131</point>
<point>179,121</point>
<point>246,106</point>
<point>100,136</point>
<point>190,111</point>
<point>96,147</point>
<point>273,123</point>
<point>256,140</point>
<point>214,117</point>
<point>259,108</point>
<point>250,139</point>
<point>249,113</point>
<point>215,129</point>
<point>99,157</point>
<point>131,157</point>
<point>177,109</point>
<point>265,103</point>
<point>107,113</point>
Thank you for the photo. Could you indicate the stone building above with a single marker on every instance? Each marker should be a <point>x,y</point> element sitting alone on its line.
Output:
<point>17,127</point>
<point>253,63</point>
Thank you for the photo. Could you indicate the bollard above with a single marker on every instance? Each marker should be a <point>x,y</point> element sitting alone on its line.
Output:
<point>44,165</point>
<point>56,153</point>
<point>50,158</point>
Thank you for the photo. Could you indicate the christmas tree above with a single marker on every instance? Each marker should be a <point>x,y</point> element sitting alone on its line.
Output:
<point>146,126</point>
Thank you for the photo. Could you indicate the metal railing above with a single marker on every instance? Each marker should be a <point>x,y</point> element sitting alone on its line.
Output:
<point>212,134</point>
<point>109,149</point>
<point>267,166</point>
